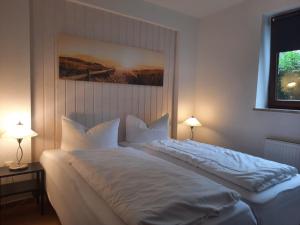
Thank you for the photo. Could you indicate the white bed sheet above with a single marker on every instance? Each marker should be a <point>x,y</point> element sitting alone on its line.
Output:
<point>278,205</point>
<point>77,204</point>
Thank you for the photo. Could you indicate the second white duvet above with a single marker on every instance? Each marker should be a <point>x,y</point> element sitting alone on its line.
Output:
<point>144,190</point>
<point>252,173</point>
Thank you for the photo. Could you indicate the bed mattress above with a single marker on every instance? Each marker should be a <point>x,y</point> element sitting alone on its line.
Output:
<point>278,205</point>
<point>76,203</point>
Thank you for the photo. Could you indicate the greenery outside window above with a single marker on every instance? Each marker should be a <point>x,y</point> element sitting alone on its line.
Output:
<point>284,85</point>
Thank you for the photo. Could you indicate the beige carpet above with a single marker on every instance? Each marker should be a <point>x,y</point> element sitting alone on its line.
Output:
<point>27,213</point>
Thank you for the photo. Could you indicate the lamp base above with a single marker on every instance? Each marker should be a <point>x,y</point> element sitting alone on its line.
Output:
<point>18,166</point>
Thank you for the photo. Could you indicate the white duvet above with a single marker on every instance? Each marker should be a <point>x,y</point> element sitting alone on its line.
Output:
<point>145,190</point>
<point>252,173</point>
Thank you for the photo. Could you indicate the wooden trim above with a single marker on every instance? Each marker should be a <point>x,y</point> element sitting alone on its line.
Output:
<point>272,100</point>
<point>286,14</point>
<point>285,105</point>
<point>277,110</point>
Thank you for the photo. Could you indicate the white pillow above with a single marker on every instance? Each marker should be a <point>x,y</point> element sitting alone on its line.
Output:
<point>76,136</point>
<point>138,132</point>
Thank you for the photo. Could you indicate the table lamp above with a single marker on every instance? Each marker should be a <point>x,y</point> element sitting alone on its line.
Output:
<point>19,132</point>
<point>192,122</point>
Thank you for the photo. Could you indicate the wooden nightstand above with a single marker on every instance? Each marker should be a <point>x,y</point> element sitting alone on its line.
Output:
<point>36,185</point>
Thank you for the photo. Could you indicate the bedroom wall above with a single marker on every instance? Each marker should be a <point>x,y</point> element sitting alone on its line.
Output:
<point>186,51</point>
<point>15,43</point>
<point>228,50</point>
<point>14,74</point>
<point>89,102</point>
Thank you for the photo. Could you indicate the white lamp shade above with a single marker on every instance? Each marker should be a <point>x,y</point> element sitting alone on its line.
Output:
<point>192,122</point>
<point>19,131</point>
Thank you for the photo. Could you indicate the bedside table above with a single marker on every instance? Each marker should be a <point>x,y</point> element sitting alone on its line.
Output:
<point>35,185</point>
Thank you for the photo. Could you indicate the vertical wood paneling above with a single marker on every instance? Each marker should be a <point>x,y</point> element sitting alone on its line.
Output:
<point>160,91</point>
<point>128,39</point>
<point>90,24</point>
<point>113,35</point>
<point>174,86</point>
<point>88,102</point>
<point>154,90</point>
<point>147,104</point>
<point>70,99</point>
<point>113,106</point>
<point>80,102</point>
<point>132,37</point>
<point>60,109</point>
<point>164,36</point>
<point>121,37</point>
<point>98,102</point>
<point>135,100</point>
<point>141,95</point>
<point>60,85</point>
<point>171,72</point>
<point>159,102</point>
<point>97,32</point>
<point>168,58</point>
<point>106,101</point>
<point>121,108</point>
<point>49,67</point>
<point>89,86</point>
<point>153,95</point>
<point>37,79</point>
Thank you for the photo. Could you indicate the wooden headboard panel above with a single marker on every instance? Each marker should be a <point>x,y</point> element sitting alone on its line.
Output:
<point>91,102</point>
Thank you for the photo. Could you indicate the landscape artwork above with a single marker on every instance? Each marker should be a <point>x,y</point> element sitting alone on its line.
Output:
<point>84,59</point>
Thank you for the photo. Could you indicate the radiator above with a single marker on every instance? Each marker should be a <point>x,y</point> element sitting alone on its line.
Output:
<point>283,152</point>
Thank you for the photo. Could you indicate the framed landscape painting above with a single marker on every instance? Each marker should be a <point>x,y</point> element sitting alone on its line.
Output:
<point>91,60</point>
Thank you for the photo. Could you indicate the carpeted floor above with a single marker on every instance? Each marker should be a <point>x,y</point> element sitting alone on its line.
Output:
<point>27,213</point>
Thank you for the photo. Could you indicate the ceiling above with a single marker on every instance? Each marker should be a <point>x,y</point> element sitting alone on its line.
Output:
<point>196,8</point>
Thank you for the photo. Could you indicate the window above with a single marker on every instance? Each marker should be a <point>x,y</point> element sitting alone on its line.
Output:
<point>284,82</point>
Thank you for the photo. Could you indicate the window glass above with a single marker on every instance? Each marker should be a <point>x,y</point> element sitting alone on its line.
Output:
<point>288,76</point>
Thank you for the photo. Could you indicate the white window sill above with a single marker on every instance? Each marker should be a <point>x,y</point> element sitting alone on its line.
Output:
<point>277,110</point>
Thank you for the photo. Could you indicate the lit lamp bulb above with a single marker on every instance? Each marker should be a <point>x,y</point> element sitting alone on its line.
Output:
<point>19,132</point>
<point>192,122</point>
<point>291,85</point>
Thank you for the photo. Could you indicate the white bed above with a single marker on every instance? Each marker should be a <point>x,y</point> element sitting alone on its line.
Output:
<point>76,203</point>
<point>278,205</point>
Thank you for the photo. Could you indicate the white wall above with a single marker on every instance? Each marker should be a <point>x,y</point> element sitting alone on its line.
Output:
<point>15,60</point>
<point>186,46</point>
<point>14,73</point>
<point>228,51</point>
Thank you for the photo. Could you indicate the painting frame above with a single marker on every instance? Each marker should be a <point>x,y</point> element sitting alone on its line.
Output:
<point>85,59</point>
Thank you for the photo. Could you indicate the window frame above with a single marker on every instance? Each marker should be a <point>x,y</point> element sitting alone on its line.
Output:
<point>274,56</point>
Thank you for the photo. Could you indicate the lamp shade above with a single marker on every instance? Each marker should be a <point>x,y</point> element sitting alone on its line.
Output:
<point>19,131</point>
<point>192,122</point>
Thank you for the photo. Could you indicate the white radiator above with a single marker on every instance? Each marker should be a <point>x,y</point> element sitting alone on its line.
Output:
<point>283,152</point>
